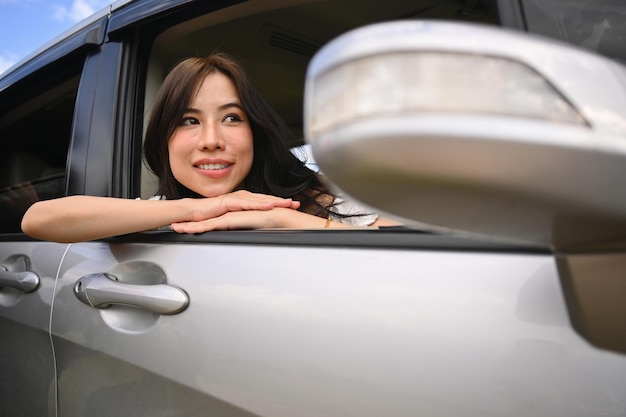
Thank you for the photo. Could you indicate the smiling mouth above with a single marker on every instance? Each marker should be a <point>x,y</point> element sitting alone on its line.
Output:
<point>212,167</point>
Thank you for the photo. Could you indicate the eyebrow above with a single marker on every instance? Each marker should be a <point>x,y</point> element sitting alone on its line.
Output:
<point>229,105</point>
<point>222,107</point>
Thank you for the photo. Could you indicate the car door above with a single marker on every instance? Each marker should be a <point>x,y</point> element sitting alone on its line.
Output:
<point>284,323</point>
<point>351,323</point>
<point>27,278</point>
<point>37,103</point>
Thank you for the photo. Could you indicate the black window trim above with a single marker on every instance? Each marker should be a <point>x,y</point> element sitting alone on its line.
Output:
<point>386,238</point>
<point>148,11</point>
<point>511,14</point>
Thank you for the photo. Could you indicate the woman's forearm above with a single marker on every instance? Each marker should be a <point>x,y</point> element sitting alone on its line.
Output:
<point>279,217</point>
<point>82,218</point>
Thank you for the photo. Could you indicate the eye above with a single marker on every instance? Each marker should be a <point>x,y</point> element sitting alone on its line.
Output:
<point>187,121</point>
<point>233,118</point>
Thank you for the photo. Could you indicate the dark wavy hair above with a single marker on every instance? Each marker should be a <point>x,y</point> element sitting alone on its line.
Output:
<point>275,169</point>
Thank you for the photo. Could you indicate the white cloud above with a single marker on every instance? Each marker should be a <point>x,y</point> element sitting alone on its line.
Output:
<point>79,9</point>
<point>6,63</point>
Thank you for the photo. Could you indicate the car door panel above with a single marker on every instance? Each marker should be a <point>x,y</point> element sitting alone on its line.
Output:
<point>278,330</point>
<point>27,361</point>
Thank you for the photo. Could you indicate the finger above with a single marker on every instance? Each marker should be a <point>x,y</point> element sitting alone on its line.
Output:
<point>279,201</point>
<point>235,220</point>
<point>194,227</point>
<point>223,222</point>
<point>250,201</point>
<point>287,203</point>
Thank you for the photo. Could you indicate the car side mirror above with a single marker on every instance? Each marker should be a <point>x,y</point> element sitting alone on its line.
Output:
<point>473,129</point>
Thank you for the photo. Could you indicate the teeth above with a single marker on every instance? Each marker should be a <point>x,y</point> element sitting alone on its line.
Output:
<point>212,166</point>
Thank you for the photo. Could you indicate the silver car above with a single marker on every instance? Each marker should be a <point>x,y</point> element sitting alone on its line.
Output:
<point>501,151</point>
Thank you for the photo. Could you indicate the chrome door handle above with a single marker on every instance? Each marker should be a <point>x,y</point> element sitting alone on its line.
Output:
<point>102,290</point>
<point>26,282</point>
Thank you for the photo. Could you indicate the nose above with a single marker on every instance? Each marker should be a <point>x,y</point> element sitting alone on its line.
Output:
<point>211,137</point>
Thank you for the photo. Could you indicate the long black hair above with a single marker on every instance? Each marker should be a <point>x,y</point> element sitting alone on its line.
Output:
<point>275,169</point>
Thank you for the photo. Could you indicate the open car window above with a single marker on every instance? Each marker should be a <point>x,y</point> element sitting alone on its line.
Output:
<point>276,40</point>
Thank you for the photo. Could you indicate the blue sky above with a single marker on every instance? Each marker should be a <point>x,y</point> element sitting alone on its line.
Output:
<point>25,25</point>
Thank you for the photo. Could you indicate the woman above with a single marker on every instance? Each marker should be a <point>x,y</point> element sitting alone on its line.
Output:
<point>219,151</point>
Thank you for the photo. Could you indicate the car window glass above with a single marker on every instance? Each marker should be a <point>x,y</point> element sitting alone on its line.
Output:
<point>598,25</point>
<point>35,128</point>
<point>275,41</point>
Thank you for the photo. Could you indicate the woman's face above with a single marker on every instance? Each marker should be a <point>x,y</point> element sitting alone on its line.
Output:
<point>211,150</point>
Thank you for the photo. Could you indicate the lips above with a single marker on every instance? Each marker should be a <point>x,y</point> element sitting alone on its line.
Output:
<point>212,167</point>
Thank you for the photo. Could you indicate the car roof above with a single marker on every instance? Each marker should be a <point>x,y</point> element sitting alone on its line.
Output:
<point>78,27</point>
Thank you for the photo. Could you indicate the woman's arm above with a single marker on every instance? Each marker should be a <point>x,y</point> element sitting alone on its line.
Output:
<point>82,218</point>
<point>275,218</point>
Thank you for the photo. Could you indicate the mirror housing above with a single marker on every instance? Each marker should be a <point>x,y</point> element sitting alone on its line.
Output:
<point>474,129</point>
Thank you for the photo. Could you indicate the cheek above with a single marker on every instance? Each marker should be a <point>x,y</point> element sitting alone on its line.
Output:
<point>249,152</point>
<point>174,144</point>
<point>176,152</point>
<point>250,147</point>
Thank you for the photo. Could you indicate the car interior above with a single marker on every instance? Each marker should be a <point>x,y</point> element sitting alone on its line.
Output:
<point>35,136</point>
<point>275,41</point>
